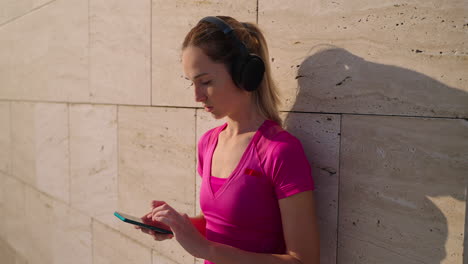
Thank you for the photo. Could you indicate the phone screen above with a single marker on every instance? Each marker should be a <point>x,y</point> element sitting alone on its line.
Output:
<point>137,221</point>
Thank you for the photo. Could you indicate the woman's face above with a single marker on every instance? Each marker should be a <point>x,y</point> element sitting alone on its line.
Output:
<point>212,83</point>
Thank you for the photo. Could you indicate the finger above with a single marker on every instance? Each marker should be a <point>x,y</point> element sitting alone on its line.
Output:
<point>161,237</point>
<point>148,215</point>
<point>165,213</point>
<point>163,219</point>
<point>163,207</point>
<point>145,230</point>
<point>156,203</point>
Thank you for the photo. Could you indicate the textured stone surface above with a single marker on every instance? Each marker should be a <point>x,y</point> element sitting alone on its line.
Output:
<point>110,246</point>
<point>93,160</point>
<point>23,142</point>
<point>205,122</point>
<point>402,190</point>
<point>2,205</point>
<point>67,232</point>
<point>44,54</point>
<point>13,206</point>
<point>320,138</point>
<point>9,256</point>
<point>52,149</point>
<point>119,51</point>
<point>14,9</point>
<point>156,162</point>
<point>382,57</point>
<point>158,259</point>
<point>40,146</point>
<point>171,21</point>
<point>5,138</point>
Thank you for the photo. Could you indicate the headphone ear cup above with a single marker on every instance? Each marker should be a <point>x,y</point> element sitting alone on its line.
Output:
<point>252,73</point>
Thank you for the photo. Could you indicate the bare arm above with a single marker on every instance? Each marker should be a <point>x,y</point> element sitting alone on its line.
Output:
<point>300,233</point>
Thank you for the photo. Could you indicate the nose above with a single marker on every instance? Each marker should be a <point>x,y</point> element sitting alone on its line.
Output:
<point>200,94</point>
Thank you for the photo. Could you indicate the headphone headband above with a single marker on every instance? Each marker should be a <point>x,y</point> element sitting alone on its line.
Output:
<point>223,26</point>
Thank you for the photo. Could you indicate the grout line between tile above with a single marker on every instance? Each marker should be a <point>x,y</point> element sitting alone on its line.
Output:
<point>151,53</point>
<point>89,50</point>
<point>465,240</point>
<point>27,13</point>
<point>338,192</point>
<point>10,147</point>
<point>69,157</point>
<point>92,239</point>
<point>117,177</point>
<point>195,107</point>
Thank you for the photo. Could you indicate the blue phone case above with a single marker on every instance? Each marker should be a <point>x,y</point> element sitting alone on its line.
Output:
<point>136,221</point>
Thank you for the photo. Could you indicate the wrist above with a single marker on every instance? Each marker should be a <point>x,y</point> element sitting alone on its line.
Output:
<point>208,250</point>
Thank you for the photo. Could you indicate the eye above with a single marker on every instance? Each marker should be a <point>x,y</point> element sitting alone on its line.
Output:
<point>206,83</point>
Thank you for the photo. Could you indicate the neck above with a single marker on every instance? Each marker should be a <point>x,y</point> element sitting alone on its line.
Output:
<point>247,120</point>
<point>236,127</point>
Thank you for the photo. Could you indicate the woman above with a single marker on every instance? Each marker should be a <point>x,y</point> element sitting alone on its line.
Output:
<point>256,195</point>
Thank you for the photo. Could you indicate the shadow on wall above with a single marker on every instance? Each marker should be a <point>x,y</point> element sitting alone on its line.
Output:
<point>386,214</point>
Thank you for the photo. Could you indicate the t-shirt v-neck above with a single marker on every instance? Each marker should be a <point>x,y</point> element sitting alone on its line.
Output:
<point>216,184</point>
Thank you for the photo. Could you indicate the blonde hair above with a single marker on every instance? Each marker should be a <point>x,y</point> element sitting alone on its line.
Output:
<point>215,45</point>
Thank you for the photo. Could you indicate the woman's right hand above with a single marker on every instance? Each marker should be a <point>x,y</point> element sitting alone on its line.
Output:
<point>157,236</point>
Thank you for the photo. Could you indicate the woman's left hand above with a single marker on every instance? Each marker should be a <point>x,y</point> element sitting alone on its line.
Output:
<point>184,231</point>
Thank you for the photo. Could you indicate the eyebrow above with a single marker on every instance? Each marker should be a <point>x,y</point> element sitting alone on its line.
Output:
<point>197,76</point>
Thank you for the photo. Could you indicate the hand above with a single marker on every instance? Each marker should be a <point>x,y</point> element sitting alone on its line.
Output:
<point>157,236</point>
<point>184,231</point>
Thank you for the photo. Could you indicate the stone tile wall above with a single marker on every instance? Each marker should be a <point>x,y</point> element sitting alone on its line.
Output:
<point>96,117</point>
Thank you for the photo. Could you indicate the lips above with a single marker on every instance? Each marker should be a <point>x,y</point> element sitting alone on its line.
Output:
<point>208,108</point>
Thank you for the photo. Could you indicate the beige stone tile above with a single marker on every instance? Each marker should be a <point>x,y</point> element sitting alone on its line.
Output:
<point>45,54</point>
<point>171,21</point>
<point>13,208</point>
<point>23,141</point>
<point>9,255</point>
<point>120,51</point>
<point>58,234</point>
<point>111,246</point>
<point>13,9</point>
<point>51,149</point>
<point>40,146</point>
<point>93,160</point>
<point>2,205</point>
<point>205,122</point>
<point>402,190</point>
<point>156,162</point>
<point>71,235</point>
<point>320,138</point>
<point>5,138</point>
<point>159,259</point>
<point>368,57</point>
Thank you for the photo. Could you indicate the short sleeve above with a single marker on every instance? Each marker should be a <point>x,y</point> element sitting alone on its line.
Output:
<point>291,172</point>
<point>201,150</point>
<point>202,147</point>
<point>200,159</point>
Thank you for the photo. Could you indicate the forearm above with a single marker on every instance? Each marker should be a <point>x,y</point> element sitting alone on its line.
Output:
<point>200,223</point>
<point>224,254</point>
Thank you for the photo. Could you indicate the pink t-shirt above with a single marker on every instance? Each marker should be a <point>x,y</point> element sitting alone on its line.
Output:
<point>244,211</point>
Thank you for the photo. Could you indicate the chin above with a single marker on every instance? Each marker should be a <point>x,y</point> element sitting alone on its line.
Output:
<point>216,116</point>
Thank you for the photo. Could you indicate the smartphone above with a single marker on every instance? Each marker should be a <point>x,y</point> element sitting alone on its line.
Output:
<point>137,221</point>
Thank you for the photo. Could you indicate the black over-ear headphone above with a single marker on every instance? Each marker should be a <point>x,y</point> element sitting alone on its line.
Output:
<point>246,70</point>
